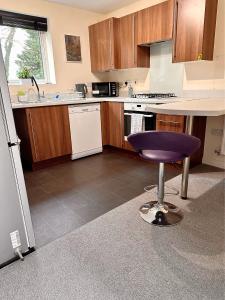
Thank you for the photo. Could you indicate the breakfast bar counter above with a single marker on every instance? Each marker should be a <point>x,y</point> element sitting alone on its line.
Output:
<point>195,107</point>
<point>190,109</point>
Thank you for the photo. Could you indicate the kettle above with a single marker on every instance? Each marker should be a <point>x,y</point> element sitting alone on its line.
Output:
<point>81,88</point>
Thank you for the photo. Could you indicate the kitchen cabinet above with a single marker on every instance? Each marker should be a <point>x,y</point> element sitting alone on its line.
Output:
<point>177,124</point>
<point>132,55</point>
<point>105,123</point>
<point>115,112</point>
<point>155,23</point>
<point>44,133</point>
<point>194,30</point>
<point>104,45</point>
<point>170,123</point>
<point>112,124</point>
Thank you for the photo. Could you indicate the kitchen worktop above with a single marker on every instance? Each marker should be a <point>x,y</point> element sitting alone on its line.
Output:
<point>194,107</point>
<point>174,106</point>
<point>75,101</point>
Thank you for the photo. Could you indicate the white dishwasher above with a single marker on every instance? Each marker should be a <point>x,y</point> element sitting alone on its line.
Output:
<point>85,128</point>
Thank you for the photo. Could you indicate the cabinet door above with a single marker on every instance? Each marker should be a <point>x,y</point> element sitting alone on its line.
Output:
<point>194,30</point>
<point>155,24</point>
<point>105,123</point>
<point>127,42</point>
<point>131,55</point>
<point>115,124</point>
<point>104,45</point>
<point>49,132</point>
<point>170,123</point>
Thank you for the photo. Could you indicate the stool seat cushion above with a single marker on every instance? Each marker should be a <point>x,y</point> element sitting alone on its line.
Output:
<point>162,156</point>
<point>164,146</point>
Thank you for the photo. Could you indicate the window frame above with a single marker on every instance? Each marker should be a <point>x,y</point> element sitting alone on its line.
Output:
<point>47,61</point>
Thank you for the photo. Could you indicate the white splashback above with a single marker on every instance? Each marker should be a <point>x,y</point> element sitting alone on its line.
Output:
<point>165,77</point>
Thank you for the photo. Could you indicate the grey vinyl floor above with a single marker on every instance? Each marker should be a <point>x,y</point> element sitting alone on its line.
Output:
<point>67,196</point>
<point>118,256</point>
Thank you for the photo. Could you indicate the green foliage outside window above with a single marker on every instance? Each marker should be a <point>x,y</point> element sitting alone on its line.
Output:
<point>31,57</point>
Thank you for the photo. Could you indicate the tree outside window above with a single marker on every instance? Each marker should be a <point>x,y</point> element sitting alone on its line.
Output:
<point>21,49</point>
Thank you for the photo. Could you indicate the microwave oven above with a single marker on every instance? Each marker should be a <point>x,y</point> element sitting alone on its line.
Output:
<point>105,89</point>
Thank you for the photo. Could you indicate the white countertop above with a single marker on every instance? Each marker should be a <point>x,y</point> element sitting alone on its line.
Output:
<point>172,106</point>
<point>195,107</point>
<point>76,101</point>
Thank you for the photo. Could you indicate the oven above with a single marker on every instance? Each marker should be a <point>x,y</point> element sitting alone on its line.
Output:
<point>148,119</point>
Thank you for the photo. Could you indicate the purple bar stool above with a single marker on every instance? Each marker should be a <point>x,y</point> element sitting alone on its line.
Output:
<point>163,147</point>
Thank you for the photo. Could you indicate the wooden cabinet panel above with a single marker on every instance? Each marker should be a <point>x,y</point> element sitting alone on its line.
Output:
<point>49,132</point>
<point>155,24</point>
<point>170,123</point>
<point>105,123</point>
<point>132,55</point>
<point>194,30</point>
<point>127,146</point>
<point>116,132</point>
<point>104,45</point>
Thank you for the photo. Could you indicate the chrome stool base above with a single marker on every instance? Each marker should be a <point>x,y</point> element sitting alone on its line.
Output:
<point>160,215</point>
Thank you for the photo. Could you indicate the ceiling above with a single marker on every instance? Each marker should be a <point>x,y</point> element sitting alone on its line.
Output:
<point>99,6</point>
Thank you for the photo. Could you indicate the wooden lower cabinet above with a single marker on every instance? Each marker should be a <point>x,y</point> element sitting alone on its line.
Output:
<point>105,123</point>
<point>116,124</point>
<point>177,124</point>
<point>44,133</point>
<point>112,124</point>
<point>170,123</point>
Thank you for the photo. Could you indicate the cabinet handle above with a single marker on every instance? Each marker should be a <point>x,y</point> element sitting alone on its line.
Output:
<point>175,28</point>
<point>145,116</point>
<point>174,123</point>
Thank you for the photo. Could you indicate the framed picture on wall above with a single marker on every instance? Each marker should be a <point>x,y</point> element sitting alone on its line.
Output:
<point>73,48</point>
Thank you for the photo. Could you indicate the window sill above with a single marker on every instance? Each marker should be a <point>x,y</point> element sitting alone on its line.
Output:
<point>39,83</point>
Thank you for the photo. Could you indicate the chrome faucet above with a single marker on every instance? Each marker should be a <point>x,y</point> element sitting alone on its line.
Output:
<point>34,82</point>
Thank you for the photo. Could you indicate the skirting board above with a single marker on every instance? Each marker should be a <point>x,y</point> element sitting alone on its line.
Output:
<point>220,163</point>
<point>86,153</point>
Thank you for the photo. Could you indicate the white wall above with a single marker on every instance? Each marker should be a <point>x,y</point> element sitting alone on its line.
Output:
<point>62,20</point>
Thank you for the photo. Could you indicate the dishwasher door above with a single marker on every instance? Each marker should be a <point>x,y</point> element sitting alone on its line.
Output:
<point>85,127</point>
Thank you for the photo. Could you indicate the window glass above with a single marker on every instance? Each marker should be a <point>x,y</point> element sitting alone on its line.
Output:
<point>22,49</point>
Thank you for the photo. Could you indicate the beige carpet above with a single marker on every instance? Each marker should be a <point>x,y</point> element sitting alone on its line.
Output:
<point>119,256</point>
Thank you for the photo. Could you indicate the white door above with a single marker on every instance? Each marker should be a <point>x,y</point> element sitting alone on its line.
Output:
<point>11,217</point>
<point>14,207</point>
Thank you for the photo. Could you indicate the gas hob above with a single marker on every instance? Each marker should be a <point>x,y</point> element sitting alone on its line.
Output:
<point>156,96</point>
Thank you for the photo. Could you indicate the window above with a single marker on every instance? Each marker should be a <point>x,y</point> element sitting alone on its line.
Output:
<point>27,48</point>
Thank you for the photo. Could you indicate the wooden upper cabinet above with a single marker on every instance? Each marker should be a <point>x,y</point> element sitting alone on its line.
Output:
<point>194,30</point>
<point>132,56</point>
<point>155,24</point>
<point>49,132</point>
<point>104,45</point>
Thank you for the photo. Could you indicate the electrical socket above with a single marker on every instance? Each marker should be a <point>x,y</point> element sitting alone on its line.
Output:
<point>15,239</point>
<point>216,131</point>
<point>89,84</point>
